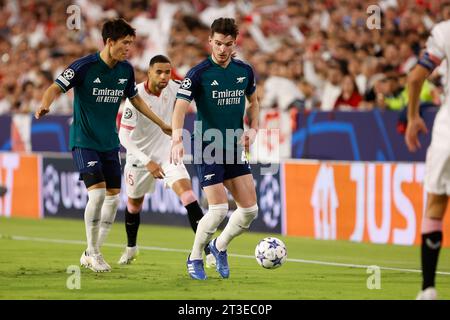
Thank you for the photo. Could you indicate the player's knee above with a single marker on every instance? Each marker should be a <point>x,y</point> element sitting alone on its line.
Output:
<point>248,215</point>
<point>430,225</point>
<point>97,197</point>
<point>218,210</point>
<point>436,211</point>
<point>134,206</point>
<point>112,200</point>
<point>216,214</point>
<point>109,209</point>
<point>188,197</point>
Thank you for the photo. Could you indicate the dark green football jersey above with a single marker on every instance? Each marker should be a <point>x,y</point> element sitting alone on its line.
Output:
<point>98,91</point>
<point>220,95</point>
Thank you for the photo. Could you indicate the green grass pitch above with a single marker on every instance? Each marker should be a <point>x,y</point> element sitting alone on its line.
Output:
<point>35,256</point>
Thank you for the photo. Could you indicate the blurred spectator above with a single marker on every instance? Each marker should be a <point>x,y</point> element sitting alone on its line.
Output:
<point>393,97</point>
<point>365,80</point>
<point>350,99</point>
<point>309,100</point>
<point>5,104</point>
<point>391,56</point>
<point>408,57</point>
<point>332,88</point>
<point>27,101</point>
<point>278,90</point>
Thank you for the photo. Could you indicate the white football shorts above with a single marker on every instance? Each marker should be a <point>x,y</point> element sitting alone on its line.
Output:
<point>139,180</point>
<point>437,170</point>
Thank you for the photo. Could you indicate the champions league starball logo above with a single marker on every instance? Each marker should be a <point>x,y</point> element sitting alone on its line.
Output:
<point>186,84</point>
<point>69,74</point>
<point>128,114</point>
<point>270,204</point>
<point>51,193</point>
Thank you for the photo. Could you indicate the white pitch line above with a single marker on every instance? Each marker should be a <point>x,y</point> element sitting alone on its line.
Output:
<point>324,263</point>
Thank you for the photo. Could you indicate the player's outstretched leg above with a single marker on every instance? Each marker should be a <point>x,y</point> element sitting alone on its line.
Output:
<point>207,227</point>
<point>205,230</point>
<point>132,222</point>
<point>239,222</point>
<point>195,214</point>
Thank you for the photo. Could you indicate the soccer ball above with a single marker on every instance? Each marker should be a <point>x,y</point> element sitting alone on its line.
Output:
<point>270,253</point>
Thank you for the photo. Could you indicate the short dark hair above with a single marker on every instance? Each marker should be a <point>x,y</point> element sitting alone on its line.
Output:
<point>225,26</point>
<point>116,29</point>
<point>159,59</point>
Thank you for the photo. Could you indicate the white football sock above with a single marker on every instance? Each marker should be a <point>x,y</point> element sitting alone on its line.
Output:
<point>109,210</point>
<point>206,228</point>
<point>92,216</point>
<point>239,222</point>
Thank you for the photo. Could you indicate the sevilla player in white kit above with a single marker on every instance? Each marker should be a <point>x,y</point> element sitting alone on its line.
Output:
<point>437,174</point>
<point>148,154</point>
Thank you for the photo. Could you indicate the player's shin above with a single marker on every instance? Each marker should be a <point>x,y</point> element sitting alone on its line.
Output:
<point>132,222</point>
<point>431,245</point>
<point>109,210</point>
<point>195,213</point>
<point>207,227</point>
<point>239,222</point>
<point>92,216</point>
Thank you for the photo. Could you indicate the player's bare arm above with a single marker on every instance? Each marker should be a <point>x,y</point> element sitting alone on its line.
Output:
<point>153,167</point>
<point>415,123</point>
<point>142,107</point>
<point>252,111</point>
<point>179,113</point>
<point>52,92</point>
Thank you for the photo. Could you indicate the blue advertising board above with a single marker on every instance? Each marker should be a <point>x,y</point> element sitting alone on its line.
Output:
<point>358,136</point>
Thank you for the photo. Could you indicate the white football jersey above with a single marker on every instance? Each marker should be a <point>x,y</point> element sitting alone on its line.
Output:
<point>438,49</point>
<point>147,136</point>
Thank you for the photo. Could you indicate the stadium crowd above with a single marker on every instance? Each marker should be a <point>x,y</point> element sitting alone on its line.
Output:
<point>307,54</point>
